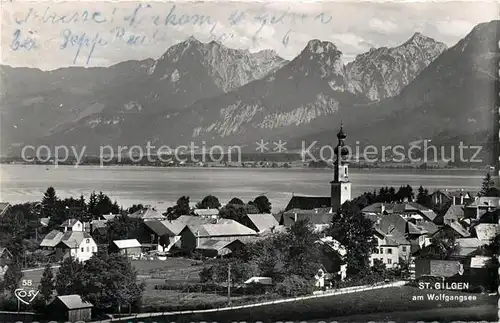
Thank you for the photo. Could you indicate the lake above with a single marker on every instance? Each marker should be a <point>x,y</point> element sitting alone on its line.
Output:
<point>161,186</point>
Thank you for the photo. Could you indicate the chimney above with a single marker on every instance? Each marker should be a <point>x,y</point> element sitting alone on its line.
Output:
<point>197,238</point>
<point>295,217</point>
<point>382,208</point>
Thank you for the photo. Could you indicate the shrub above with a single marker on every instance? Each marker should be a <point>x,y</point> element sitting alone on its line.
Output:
<point>293,286</point>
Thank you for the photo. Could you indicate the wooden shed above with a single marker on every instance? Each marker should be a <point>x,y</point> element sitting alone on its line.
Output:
<point>71,308</point>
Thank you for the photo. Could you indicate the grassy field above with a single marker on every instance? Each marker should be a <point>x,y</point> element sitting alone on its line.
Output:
<point>155,272</point>
<point>395,299</point>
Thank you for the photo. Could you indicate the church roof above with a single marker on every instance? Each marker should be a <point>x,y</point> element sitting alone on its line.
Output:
<point>308,202</point>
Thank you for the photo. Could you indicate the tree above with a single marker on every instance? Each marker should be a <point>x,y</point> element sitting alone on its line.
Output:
<point>11,278</point>
<point>208,202</point>
<point>302,257</point>
<point>487,184</point>
<point>262,203</point>
<point>180,208</point>
<point>234,212</point>
<point>67,282</point>
<point>101,204</point>
<point>236,200</point>
<point>109,281</point>
<point>423,197</point>
<point>356,233</point>
<point>47,284</point>
<point>122,227</point>
<point>49,200</point>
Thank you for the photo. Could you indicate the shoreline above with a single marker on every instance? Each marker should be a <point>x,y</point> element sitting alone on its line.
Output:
<point>291,168</point>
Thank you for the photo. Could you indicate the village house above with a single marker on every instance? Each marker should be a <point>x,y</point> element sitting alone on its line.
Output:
<point>148,213</point>
<point>193,237</point>
<point>260,222</point>
<point>72,225</point>
<point>50,240</point>
<point>392,248</point>
<point>440,198</point>
<point>70,308</point>
<point>407,210</point>
<point>128,247</point>
<point>480,206</point>
<point>165,235</point>
<point>320,218</point>
<point>76,244</point>
<point>207,213</point>
<point>219,248</point>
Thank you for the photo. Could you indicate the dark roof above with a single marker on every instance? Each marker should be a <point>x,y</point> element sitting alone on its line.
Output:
<point>159,228</point>
<point>308,202</point>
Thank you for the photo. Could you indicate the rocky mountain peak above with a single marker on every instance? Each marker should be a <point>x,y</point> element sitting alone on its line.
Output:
<point>316,46</point>
<point>383,72</point>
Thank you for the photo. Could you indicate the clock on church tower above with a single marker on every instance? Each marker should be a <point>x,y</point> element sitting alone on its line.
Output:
<point>340,186</point>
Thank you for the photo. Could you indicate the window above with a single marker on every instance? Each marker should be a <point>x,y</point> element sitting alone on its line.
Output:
<point>93,249</point>
<point>376,250</point>
<point>381,250</point>
<point>87,249</point>
<point>389,261</point>
<point>404,249</point>
<point>82,249</point>
<point>87,241</point>
<point>389,250</point>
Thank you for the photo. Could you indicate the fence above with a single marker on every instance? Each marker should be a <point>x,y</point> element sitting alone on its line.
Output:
<point>327,293</point>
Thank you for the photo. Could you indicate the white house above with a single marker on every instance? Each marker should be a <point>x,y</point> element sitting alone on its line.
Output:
<point>76,244</point>
<point>72,225</point>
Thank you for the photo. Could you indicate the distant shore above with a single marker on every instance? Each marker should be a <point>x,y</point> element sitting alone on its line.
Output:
<point>289,165</point>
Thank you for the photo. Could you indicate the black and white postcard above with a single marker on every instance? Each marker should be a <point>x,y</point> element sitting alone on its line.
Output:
<point>249,161</point>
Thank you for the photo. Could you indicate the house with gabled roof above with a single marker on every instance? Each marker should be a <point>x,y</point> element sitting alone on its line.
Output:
<point>128,247</point>
<point>260,222</point>
<point>76,244</point>
<point>72,225</point>
<point>51,239</point>
<point>148,213</point>
<point>219,248</point>
<point>208,213</point>
<point>480,206</point>
<point>227,230</point>
<point>454,197</point>
<point>392,247</point>
<point>71,308</point>
<point>321,218</point>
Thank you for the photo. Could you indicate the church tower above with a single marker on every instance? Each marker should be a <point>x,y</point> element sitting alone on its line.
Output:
<point>340,186</point>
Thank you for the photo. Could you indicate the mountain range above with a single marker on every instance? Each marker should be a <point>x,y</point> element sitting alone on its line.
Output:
<point>207,92</point>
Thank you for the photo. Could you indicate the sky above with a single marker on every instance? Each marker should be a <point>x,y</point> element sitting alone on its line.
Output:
<point>49,34</point>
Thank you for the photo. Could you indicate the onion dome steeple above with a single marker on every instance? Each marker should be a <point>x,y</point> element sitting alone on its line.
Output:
<point>341,136</point>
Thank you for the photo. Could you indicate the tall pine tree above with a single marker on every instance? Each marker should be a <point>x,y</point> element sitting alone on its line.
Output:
<point>487,184</point>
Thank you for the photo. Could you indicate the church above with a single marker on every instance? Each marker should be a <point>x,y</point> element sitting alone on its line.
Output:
<point>320,209</point>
